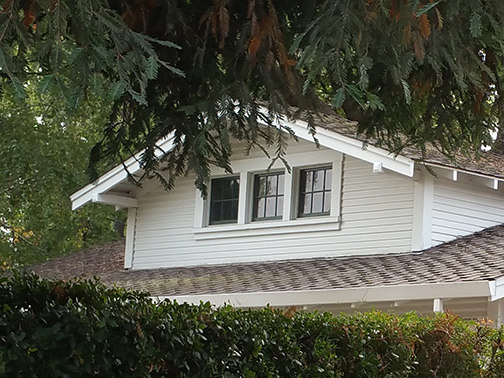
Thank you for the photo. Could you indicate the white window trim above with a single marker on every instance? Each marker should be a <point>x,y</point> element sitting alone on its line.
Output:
<point>290,223</point>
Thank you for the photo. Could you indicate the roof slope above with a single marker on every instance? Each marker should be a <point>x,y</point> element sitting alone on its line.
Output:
<point>477,257</point>
<point>487,163</point>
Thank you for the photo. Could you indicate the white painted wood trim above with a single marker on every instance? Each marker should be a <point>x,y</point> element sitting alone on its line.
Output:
<point>350,146</point>
<point>118,201</point>
<point>274,227</point>
<point>437,306</point>
<point>417,238</point>
<point>498,289</point>
<point>495,312</point>
<point>116,175</point>
<point>244,226</point>
<point>289,209</point>
<point>130,238</point>
<point>427,212</point>
<point>200,216</point>
<point>243,196</point>
<point>337,189</point>
<point>339,296</point>
<point>460,170</point>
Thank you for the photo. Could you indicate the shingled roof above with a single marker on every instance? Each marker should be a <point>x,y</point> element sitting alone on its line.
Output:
<point>486,163</point>
<point>477,257</point>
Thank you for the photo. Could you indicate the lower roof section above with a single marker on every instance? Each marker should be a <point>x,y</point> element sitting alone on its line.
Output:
<point>372,294</point>
<point>468,267</point>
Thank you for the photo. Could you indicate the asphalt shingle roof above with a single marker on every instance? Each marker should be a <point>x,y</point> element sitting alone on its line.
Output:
<point>476,257</point>
<point>487,163</point>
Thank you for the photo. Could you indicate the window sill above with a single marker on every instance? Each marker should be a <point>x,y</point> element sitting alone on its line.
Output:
<point>260,228</point>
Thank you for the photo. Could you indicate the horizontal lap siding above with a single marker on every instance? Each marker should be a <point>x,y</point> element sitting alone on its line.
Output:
<point>376,218</point>
<point>377,210</point>
<point>459,210</point>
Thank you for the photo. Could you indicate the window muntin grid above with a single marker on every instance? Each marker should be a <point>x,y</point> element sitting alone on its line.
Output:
<point>315,192</point>
<point>268,196</point>
<point>224,195</point>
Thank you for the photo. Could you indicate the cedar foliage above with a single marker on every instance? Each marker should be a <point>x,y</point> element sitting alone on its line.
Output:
<point>81,329</point>
<point>411,72</point>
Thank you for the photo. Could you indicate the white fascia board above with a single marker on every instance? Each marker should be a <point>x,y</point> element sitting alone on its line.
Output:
<point>341,296</point>
<point>119,201</point>
<point>350,146</point>
<point>116,175</point>
<point>493,180</point>
<point>497,289</point>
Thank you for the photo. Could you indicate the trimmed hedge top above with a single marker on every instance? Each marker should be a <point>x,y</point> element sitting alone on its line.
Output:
<point>82,329</point>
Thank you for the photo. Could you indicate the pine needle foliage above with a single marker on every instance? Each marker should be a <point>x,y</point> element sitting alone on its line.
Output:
<point>412,72</point>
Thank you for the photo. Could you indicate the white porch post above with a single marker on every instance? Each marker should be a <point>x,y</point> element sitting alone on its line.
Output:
<point>438,306</point>
<point>495,312</point>
<point>130,237</point>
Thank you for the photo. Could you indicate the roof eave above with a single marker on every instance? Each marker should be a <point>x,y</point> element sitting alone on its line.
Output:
<point>350,146</point>
<point>93,192</point>
<point>349,295</point>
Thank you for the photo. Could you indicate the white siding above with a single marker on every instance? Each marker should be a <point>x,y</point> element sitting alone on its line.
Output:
<point>377,214</point>
<point>460,209</point>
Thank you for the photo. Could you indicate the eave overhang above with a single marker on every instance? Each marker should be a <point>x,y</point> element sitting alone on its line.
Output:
<point>410,292</point>
<point>96,192</point>
<point>380,158</point>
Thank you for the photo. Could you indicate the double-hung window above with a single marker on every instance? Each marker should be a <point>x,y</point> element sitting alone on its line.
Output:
<point>268,196</point>
<point>315,192</point>
<point>224,194</point>
<point>256,202</point>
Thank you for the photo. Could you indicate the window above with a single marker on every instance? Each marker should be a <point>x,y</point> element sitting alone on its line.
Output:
<point>315,192</point>
<point>268,196</point>
<point>224,194</point>
<point>254,202</point>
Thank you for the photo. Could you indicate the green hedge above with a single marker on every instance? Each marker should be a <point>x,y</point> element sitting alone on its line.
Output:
<point>82,329</point>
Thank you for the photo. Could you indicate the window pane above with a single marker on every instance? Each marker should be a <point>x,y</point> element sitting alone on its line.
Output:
<point>317,202</point>
<point>271,207</point>
<point>224,200</point>
<point>228,189</point>
<point>268,188</point>
<point>328,180</point>
<point>281,183</point>
<point>327,202</point>
<point>306,181</point>
<point>227,210</point>
<point>261,186</point>
<point>217,189</point>
<point>234,207</point>
<point>315,191</point>
<point>260,208</point>
<point>318,180</point>
<point>272,185</point>
<point>215,212</point>
<point>236,187</point>
<point>280,202</point>
<point>305,204</point>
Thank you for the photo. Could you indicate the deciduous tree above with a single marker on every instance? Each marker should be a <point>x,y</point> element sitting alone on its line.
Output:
<point>43,157</point>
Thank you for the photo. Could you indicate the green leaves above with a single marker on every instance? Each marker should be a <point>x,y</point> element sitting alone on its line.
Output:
<point>80,329</point>
<point>116,90</point>
<point>339,98</point>
<point>476,25</point>
<point>427,7</point>
<point>402,69</point>
<point>43,156</point>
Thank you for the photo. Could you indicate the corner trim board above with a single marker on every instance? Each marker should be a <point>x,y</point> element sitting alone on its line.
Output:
<point>130,238</point>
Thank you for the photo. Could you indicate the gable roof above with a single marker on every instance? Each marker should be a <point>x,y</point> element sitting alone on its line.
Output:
<point>487,163</point>
<point>476,261</point>
<point>333,132</point>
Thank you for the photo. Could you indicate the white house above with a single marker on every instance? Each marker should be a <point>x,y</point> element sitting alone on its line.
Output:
<point>348,228</point>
